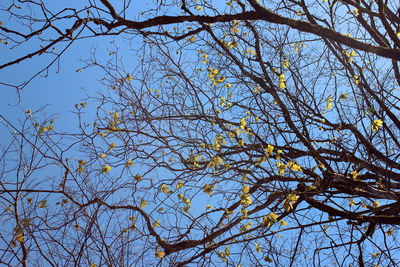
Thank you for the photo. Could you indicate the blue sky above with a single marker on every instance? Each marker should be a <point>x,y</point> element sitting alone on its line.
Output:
<point>62,88</point>
<point>59,88</point>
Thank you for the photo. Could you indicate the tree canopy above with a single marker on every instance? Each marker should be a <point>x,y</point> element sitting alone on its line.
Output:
<point>251,133</point>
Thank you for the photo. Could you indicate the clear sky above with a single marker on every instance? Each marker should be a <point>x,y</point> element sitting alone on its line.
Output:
<point>61,86</point>
<point>60,89</point>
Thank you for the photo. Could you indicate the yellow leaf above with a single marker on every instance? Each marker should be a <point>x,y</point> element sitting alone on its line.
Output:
<point>245,200</point>
<point>250,50</point>
<point>138,177</point>
<point>43,204</point>
<point>329,102</point>
<point>42,129</point>
<point>232,44</point>
<point>376,124</point>
<point>20,238</point>
<point>273,216</point>
<point>389,232</point>
<point>227,251</point>
<point>287,205</point>
<point>208,189</point>
<point>159,254</point>
<point>293,198</point>
<point>356,80</point>
<point>246,227</point>
<point>222,101</point>
<point>293,166</point>
<point>270,219</point>
<point>143,203</point>
<point>187,201</point>
<point>281,167</point>
<point>106,169</point>
<point>246,189</point>
<point>283,223</point>
<point>269,150</point>
<point>286,64</point>
<point>258,248</point>
<point>244,213</point>
<point>240,143</point>
<point>375,254</point>
<point>179,185</point>
<point>242,123</point>
<point>164,188</point>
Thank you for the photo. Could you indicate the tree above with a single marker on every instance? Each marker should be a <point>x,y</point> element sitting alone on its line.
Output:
<point>249,132</point>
